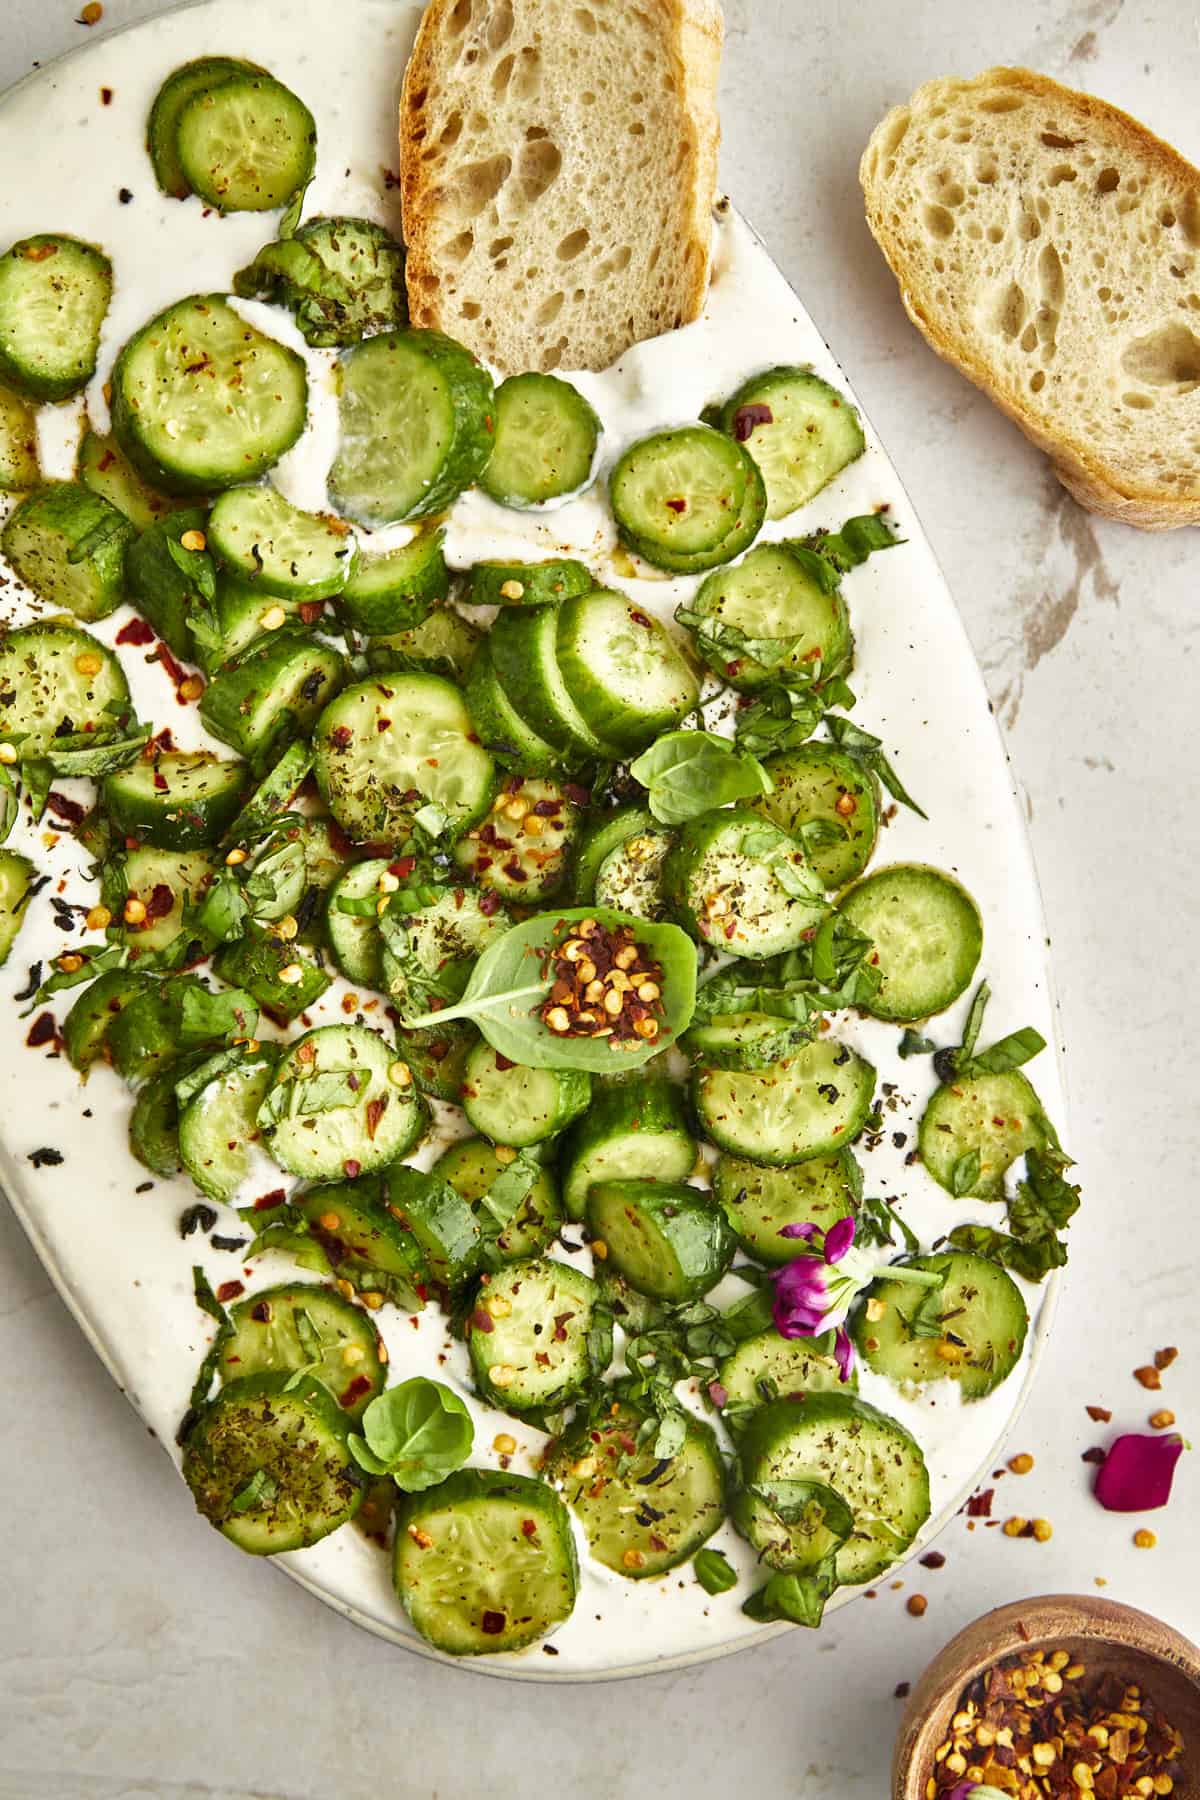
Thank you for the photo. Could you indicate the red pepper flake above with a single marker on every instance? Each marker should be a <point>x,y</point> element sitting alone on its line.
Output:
<point>136,632</point>
<point>677,506</point>
<point>1094,1455</point>
<point>935,1560</point>
<point>481,1320</point>
<point>492,1624</point>
<point>106,96</point>
<point>353,1169</point>
<point>747,417</point>
<point>382,725</point>
<point>175,670</point>
<point>353,1394</point>
<point>1164,1358</point>
<point>403,867</point>
<point>503,1063</point>
<point>375,1111</point>
<point>261,1313</point>
<point>311,610</point>
<point>1100,1415</point>
<point>69,811</point>
<point>902,1690</point>
<point>578,796</point>
<point>979,1506</point>
<point>639,618</point>
<point>43,1031</point>
<point>528,1528</point>
<point>230,1290</point>
<point>160,902</point>
<point>561,1321</point>
<point>341,737</point>
<point>276,1197</point>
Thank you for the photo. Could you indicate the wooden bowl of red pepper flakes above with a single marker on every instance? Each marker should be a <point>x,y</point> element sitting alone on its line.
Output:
<point>1062,1695</point>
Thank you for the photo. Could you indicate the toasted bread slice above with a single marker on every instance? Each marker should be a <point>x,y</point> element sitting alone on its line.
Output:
<point>558,163</point>
<point>1049,246</point>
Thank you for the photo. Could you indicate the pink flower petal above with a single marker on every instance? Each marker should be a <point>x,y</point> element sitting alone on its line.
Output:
<point>838,1240</point>
<point>843,1350</point>
<point>718,1395</point>
<point>1136,1474</point>
<point>798,1231</point>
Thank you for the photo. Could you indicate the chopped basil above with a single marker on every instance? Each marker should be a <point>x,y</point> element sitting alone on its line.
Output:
<point>686,773</point>
<point>714,1571</point>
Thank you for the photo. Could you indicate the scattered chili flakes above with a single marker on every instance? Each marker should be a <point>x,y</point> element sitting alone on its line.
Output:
<point>605,985</point>
<point>230,1290</point>
<point>1164,1358</point>
<point>1148,1375</point>
<point>91,14</point>
<point>979,1506</point>
<point>1100,1415</point>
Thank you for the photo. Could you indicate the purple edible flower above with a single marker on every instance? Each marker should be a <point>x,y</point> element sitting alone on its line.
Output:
<point>747,417</point>
<point>799,1231</point>
<point>843,1351</point>
<point>838,1240</point>
<point>814,1292</point>
<point>1136,1474</point>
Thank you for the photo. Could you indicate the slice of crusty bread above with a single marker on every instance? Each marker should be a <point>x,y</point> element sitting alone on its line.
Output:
<point>558,164</point>
<point>1049,246</point>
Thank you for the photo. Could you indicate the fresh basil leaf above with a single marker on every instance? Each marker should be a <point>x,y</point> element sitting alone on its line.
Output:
<point>98,959</point>
<point>37,778</point>
<point>418,1433</point>
<point>510,1188</point>
<point>301,1097</point>
<point>9,807</point>
<point>877,1222</point>
<point>686,773</point>
<point>779,718</point>
<point>204,1017</point>
<point>432,818</point>
<point>308,1334</point>
<point>1010,1052</point>
<point>809,1506</point>
<point>796,1599</point>
<point>965,1174</point>
<point>293,212</point>
<point>208,1303</point>
<point>224,910</point>
<point>196,566</point>
<point>260,1490</point>
<point>276,884</point>
<point>222,1063</point>
<point>925,1320</point>
<point>974,1025</point>
<point>858,539</point>
<point>869,750</point>
<point>913,1044</point>
<point>714,1571</point>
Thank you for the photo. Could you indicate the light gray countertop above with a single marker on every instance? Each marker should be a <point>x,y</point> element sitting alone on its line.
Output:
<point>142,1661</point>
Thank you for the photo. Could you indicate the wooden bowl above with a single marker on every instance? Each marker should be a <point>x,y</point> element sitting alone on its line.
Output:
<point>1098,1633</point>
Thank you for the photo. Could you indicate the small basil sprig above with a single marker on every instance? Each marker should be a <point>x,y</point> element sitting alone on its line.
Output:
<point>1011,1052</point>
<point>418,1433</point>
<point>714,1571</point>
<point>686,773</point>
<point>1043,1205</point>
<point>868,749</point>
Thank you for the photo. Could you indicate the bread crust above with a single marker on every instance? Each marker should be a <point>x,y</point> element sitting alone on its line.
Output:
<point>1084,473</point>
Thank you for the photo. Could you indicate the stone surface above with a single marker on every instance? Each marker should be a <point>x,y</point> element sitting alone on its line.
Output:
<point>142,1661</point>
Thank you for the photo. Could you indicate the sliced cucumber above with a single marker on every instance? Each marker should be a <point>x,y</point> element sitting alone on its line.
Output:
<point>394,590</point>
<point>927,933</point>
<point>522,851</point>
<point>545,446</point>
<point>667,1239</point>
<point>600,840</point>
<point>304,1325</point>
<point>443,1226</point>
<point>624,670</point>
<point>536,1336</point>
<point>444,643</point>
<point>634,1130</point>
<point>284,981</point>
<point>862,1454</point>
<point>19,467</point>
<point>983,1320</point>
<point>743,885</point>
<point>526,584</point>
<point>769,1367</point>
<point>500,727</point>
<point>415,412</point>
<point>162,579</point>
<point>814,1103</point>
<point>524,650</point>
<point>992,1118</point>
<point>760,1202</point>
<point>141,1038</point>
<point>218,1125</point>
<point>687,500</point>
<point>242,617</point>
<point>16,878</point>
<point>68,545</point>
<point>278,548</point>
<point>162,882</point>
<point>85,1028</point>
<point>364,1243</point>
<point>792,1533</point>
<point>518,1106</point>
<point>154,1121</point>
<point>275,692</point>
<point>632,877</point>
<point>343,279</point>
<point>353,934</point>
<point>800,431</point>
<point>269,1464</point>
<point>318,1123</point>
<point>180,87</point>
<point>201,400</point>
<point>177,799</point>
<point>822,786</point>
<point>246,145</point>
<point>772,599</point>
<point>437,944</point>
<point>472,1576</point>
<point>472,1166</point>
<point>54,293</point>
<point>104,467</point>
<point>273,796</point>
<point>55,680</point>
<point>746,1040</point>
<point>641,1514</point>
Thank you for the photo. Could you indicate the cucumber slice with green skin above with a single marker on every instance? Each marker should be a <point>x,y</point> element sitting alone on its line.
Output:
<point>246,145</point>
<point>771,598</point>
<point>744,1040</point>
<point>396,589</point>
<point>862,1454</point>
<point>179,800</point>
<point>624,670</point>
<point>218,1126</point>
<point>243,617</point>
<point>19,467</point>
<point>279,549</point>
<point>635,1130</point>
<point>147,1033</point>
<point>415,413</point>
<point>180,87</point>
<point>526,584</point>
<point>382,1123</point>
<point>353,936</point>
<point>85,1028</point>
<point>743,885</point>
<point>600,840</point>
<point>291,1444</point>
<point>160,586</point>
<point>68,546</point>
<point>385,748</point>
<point>499,726</point>
<point>444,643</point>
<point>760,1202</point>
<point>522,850</point>
<point>436,1055</point>
<point>769,1367</point>
<point>813,1103</point>
<point>927,933</point>
<point>545,444</point>
<point>54,293</point>
<point>305,1325</point>
<point>104,467</point>
<point>365,1244</point>
<point>535,1338</point>
<point>55,679</point>
<point>667,1239</point>
<point>274,693</point>
<point>524,649</point>
<point>273,795</point>
<point>818,784</point>
<point>800,1537</point>
<point>16,875</point>
<point>472,1166</point>
<point>518,1106</point>
<point>641,1514</point>
<point>343,279</point>
<point>439,942</point>
<point>984,1323</point>
<point>203,401</point>
<point>151,876</point>
<point>683,494</point>
<point>800,431</point>
<point>471,1575</point>
<point>631,877</point>
<point>154,1121</point>
<point>994,1117</point>
<point>266,966</point>
<point>444,1228</point>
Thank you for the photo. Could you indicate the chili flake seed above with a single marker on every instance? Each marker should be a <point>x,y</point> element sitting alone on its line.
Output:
<point>372,1300</point>
<point>1043,1530</point>
<point>89,663</point>
<point>292,975</point>
<point>633,1559</point>
<point>1020,1465</point>
<point>193,540</point>
<point>876,1310</point>
<point>1163,1419</point>
<point>1145,1539</point>
<point>917,1605</point>
<point>92,13</point>
<point>504,1444</point>
<point>8,754</point>
<point>286,928</point>
<point>599,1249</point>
<point>1015,1527</point>
<point>135,911</point>
<point>512,590</point>
<point>235,857</point>
<point>191,687</point>
<point>353,1353</point>
<point>272,619</point>
<point>98,919</point>
<point>400,1075</point>
<point>503,1375</point>
<point>420,1538</point>
<point>504,1154</point>
<point>498,1306</point>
